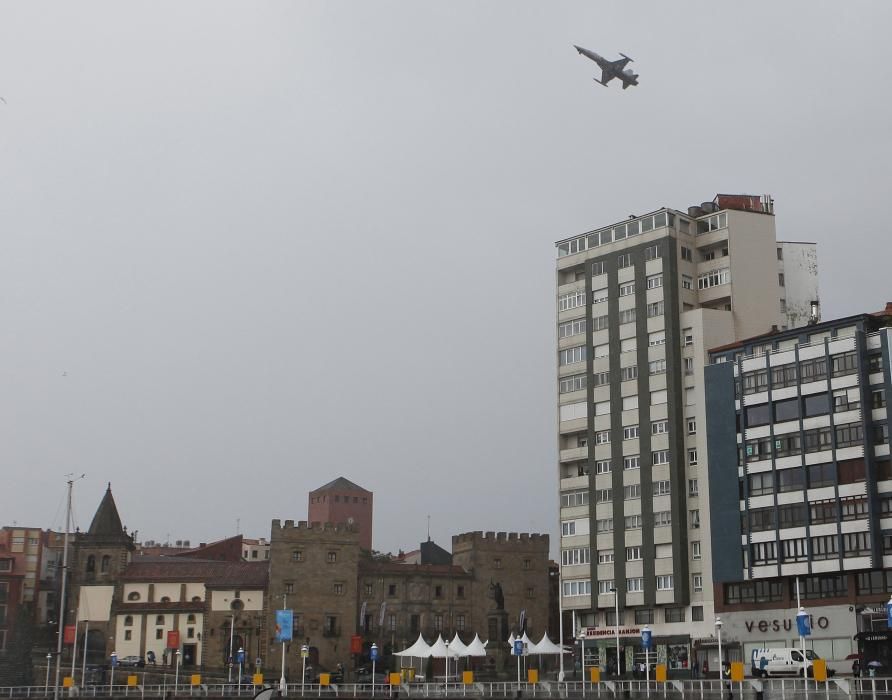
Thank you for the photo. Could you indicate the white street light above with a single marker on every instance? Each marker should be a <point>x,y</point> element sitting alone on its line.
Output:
<point>49,663</point>
<point>304,653</point>
<point>374,659</point>
<point>646,641</point>
<point>114,662</point>
<point>616,620</point>
<point>447,667</point>
<point>176,675</point>
<point>241,659</point>
<point>718,631</point>
<point>582,657</point>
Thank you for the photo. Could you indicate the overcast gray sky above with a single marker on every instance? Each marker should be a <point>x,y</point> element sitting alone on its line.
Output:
<point>246,248</point>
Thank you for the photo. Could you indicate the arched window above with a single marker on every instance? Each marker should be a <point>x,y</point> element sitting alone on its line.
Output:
<point>133,595</point>
<point>165,599</point>
<point>196,599</point>
<point>106,560</point>
<point>159,620</point>
<point>190,619</point>
<point>91,564</point>
<point>128,621</point>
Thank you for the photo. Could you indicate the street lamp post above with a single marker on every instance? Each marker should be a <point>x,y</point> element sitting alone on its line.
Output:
<point>646,641</point>
<point>49,663</point>
<point>374,659</point>
<point>718,632</point>
<point>231,640</point>
<point>241,660</point>
<point>446,686</point>
<point>304,653</point>
<point>616,621</point>
<point>582,658</point>
<point>114,662</point>
<point>176,675</point>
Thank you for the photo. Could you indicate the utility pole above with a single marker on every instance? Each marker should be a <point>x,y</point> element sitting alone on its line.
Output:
<point>62,600</point>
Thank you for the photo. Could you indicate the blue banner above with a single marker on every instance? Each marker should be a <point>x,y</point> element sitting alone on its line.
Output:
<point>889,614</point>
<point>803,624</point>
<point>518,647</point>
<point>647,639</point>
<point>284,625</point>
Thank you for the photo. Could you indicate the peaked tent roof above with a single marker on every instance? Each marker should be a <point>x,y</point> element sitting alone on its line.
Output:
<point>341,484</point>
<point>476,647</point>
<point>461,649</point>
<point>545,646</point>
<point>107,522</point>
<point>439,650</point>
<point>419,649</point>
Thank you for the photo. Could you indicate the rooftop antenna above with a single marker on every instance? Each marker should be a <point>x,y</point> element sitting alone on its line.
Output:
<point>238,525</point>
<point>428,528</point>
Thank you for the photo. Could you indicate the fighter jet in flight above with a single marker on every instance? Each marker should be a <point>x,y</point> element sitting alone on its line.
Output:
<point>611,69</point>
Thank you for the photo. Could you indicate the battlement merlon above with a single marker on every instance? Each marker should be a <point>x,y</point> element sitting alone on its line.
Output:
<point>491,540</point>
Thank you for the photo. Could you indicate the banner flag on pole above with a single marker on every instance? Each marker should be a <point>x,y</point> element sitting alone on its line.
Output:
<point>284,625</point>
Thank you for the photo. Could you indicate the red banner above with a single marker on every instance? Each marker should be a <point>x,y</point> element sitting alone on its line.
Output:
<point>173,639</point>
<point>355,644</point>
<point>69,634</point>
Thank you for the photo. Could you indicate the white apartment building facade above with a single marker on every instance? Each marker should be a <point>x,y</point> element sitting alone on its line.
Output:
<point>640,303</point>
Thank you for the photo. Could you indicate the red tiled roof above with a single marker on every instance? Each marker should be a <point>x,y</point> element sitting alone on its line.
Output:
<point>210,572</point>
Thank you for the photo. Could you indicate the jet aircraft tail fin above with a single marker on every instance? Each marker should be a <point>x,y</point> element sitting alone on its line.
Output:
<point>626,57</point>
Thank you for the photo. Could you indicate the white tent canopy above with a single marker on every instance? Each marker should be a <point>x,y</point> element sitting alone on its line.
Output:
<point>420,649</point>
<point>545,646</point>
<point>439,650</point>
<point>458,646</point>
<point>476,647</point>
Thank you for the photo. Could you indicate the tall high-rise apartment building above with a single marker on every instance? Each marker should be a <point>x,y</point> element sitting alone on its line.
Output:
<point>640,302</point>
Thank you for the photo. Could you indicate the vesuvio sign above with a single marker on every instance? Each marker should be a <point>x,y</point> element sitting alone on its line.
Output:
<point>787,624</point>
<point>611,631</point>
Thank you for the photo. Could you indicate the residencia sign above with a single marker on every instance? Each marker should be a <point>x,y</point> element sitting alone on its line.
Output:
<point>787,624</point>
<point>591,632</point>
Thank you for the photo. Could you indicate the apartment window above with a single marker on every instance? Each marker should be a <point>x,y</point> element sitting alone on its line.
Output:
<point>128,635</point>
<point>842,401</point>
<point>761,484</point>
<point>568,528</point>
<point>874,363</point>
<point>571,328</point>
<point>693,487</point>
<point>624,260</point>
<point>289,588</point>
<point>570,499</point>
<point>630,432</point>
<point>696,613</point>
<point>713,278</point>
<point>332,557</point>
<point>656,367</point>
<point>849,435</point>
<point>655,309</point>
<point>602,437</point>
<point>338,589</point>
<point>824,511</point>
<point>880,433</point>
<point>697,581</point>
<point>659,427</point>
<point>602,408</point>
<point>813,370</point>
<point>687,282</point>
<point>630,403</point>
<point>818,439</point>
<point>598,268</point>
<point>754,382</point>
<point>825,547</point>
<point>652,252</point>
<point>632,522</point>
<point>627,316</point>
<point>644,616</point>
<point>695,549</point>
<point>599,323</point>
<point>627,345</point>
<point>297,555</point>
<point>692,456</point>
<point>634,585</point>
<point>687,335</point>
<point>655,281</point>
<point>658,397</point>
<point>605,587</point>
<point>795,550</point>
<point>694,518</point>
<point>656,338</point>
<point>628,373</point>
<point>605,556</point>
<point>692,426</point>
<point>632,462</point>
<point>787,444</point>
<point>661,488</point>
<point>785,410</point>
<point>821,475</point>
<point>763,553</point>
<point>602,466</point>
<point>686,254</point>
<point>856,544</point>
<point>663,518</point>
<point>688,365</point>
<point>605,525</point>
<point>601,378</point>
<point>571,300</point>
<point>660,457</point>
<point>780,278</point>
<point>664,583</point>
<point>577,587</point>
<point>631,491</point>
<point>575,382</point>
<point>575,556</point>
<point>782,376</point>
<point>791,515</point>
<point>604,495</point>
<point>878,398</point>
<point>599,296</point>
<point>760,519</point>
<point>633,553</point>
<point>570,356</point>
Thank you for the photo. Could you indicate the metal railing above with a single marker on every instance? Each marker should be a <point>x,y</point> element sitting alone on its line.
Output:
<point>712,689</point>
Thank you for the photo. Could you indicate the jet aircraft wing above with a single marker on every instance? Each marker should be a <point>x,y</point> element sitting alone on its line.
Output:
<point>606,76</point>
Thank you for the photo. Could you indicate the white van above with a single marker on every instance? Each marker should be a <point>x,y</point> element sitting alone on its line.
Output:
<point>781,661</point>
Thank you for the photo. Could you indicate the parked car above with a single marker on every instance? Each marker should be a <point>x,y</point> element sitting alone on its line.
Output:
<point>136,661</point>
<point>783,661</point>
